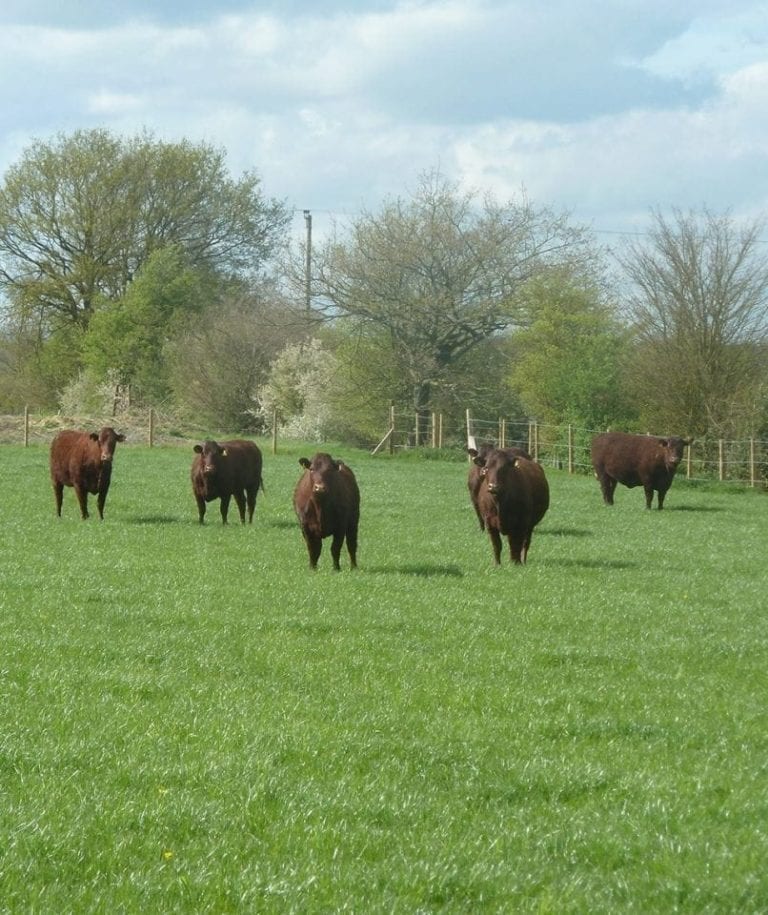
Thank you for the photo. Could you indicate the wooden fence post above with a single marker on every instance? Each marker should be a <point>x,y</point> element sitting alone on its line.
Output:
<point>392,427</point>
<point>26,426</point>
<point>151,426</point>
<point>274,431</point>
<point>720,459</point>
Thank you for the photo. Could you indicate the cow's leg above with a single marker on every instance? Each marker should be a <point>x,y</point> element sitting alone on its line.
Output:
<point>516,548</point>
<point>58,494</point>
<point>200,507</point>
<point>101,500</point>
<point>352,545</point>
<point>496,544</point>
<point>661,494</point>
<point>251,497</point>
<point>336,545</point>
<point>240,500</point>
<point>82,499</point>
<point>314,548</point>
<point>608,485</point>
<point>649,497</point>
<point>224,508</point>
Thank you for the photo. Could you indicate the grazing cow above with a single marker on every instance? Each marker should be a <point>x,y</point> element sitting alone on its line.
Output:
<point>513,498</point>
<point>220,471</point>
<point>636,460</point>
<point>327,504</point>
<point>477,472</point>
<point>83,460</point>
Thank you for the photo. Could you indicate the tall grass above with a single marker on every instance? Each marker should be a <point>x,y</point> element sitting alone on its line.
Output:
<point>193,721</point>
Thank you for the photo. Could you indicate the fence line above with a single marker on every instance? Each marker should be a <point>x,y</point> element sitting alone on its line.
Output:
<point>566,447</point>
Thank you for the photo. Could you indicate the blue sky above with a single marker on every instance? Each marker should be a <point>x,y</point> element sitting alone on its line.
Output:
<point>603,109</point>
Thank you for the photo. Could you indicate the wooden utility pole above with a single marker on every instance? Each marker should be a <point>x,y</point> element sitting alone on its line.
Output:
<point>308,262</point>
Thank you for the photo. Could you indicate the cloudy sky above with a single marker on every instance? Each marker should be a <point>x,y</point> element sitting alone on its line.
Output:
<point>604,109</point>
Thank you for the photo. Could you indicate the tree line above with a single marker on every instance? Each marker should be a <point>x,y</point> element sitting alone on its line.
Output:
<point>135,271</point>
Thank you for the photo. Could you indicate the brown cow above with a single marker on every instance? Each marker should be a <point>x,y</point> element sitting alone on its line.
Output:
<point>477,472</point>
<point>226,469</point>
<point>513,498</point>
<point>327,504</point>
<point>636,460</point>
<point>83,460</point>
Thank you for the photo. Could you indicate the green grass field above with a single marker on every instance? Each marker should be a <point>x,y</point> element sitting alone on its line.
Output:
<point>194,722</point>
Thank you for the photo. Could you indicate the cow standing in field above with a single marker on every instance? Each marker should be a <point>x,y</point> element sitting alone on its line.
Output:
<point>327,504</point>
<point>512,499</point>
<point>637,460</point>
<point>223,470</point>
<point>83,460</point>
<point>477,472</point>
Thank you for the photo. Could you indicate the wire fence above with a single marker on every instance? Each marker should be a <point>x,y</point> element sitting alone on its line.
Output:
<point>566,447</point>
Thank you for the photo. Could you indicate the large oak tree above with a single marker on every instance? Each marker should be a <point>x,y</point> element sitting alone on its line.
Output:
<point>438,274</point>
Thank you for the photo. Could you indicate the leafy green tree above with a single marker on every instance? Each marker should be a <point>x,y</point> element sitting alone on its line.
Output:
<point>698,302</point>
<point>126,337</point>
<point>438,275</point>
<point>81,216</point>
<point>567,364</point>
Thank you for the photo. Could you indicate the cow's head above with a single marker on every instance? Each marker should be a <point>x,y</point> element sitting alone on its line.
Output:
<point>673,450</point>
<point>107,440</point>
<point>211,455</point>
<point>498,466</point>
<point>322,471</point>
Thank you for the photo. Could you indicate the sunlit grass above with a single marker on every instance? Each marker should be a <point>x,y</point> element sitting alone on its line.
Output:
<point>193,721</point>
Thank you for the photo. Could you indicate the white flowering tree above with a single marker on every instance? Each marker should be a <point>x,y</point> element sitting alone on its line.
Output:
<point>298,392</point>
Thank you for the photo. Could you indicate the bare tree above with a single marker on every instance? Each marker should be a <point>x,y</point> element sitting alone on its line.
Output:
<point>699,305</point>
<point>438,274</point>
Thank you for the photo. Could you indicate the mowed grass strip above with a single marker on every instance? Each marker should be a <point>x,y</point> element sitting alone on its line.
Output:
<point>193,721</point>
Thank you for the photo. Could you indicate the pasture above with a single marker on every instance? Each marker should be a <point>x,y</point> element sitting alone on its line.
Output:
<point>193,721</point>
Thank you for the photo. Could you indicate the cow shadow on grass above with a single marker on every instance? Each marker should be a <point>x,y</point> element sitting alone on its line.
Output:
<point>563,532</point>
<point>419,570</point>
<point>616,564</point>
<point>693,508</point>
<point>157,519</point>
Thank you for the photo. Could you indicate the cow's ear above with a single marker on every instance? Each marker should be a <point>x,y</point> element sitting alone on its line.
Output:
<point>337,464</point>
<point>120,437</point>
<point>223,452</point>
<point>94,436</point>
<point>304,463</point>
<point>664,442</point>
<point>198,449</point>
<point>472,452</point>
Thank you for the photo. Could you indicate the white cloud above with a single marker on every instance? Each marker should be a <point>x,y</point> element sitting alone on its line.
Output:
<point>605,109</point>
